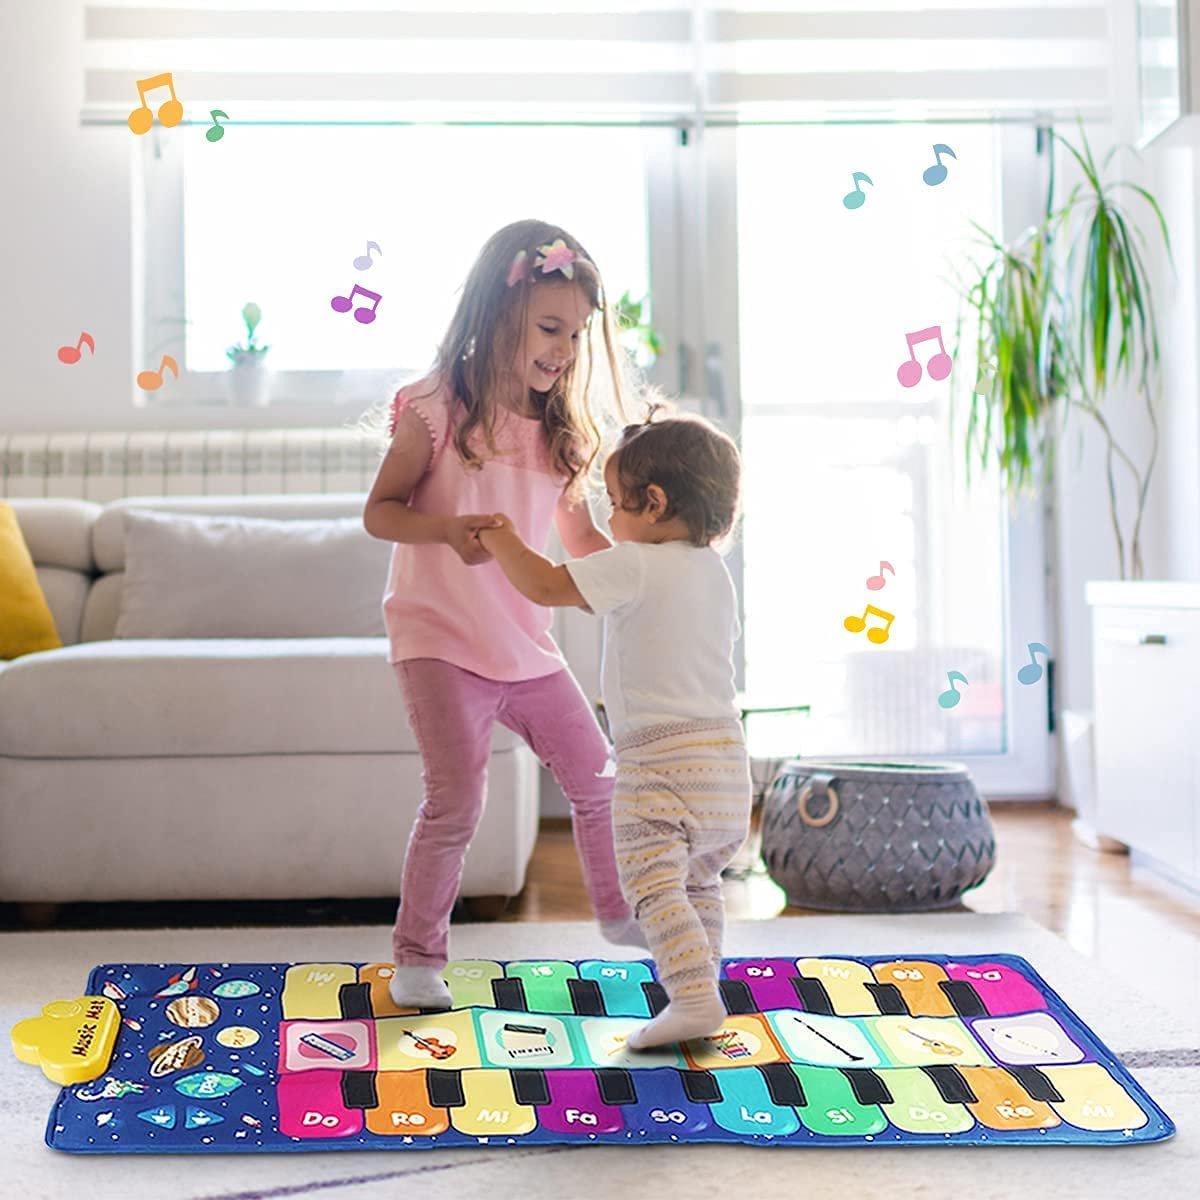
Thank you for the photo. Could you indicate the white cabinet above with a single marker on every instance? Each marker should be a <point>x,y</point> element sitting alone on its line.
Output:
<point>1146,649</point>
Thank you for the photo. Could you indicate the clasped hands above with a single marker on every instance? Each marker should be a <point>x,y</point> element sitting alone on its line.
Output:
<point>463,535</point>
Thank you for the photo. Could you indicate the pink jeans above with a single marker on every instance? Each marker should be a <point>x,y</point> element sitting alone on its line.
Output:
<point>451,712</point>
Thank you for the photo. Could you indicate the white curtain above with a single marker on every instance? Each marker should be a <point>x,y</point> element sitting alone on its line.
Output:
<point>602,60</point>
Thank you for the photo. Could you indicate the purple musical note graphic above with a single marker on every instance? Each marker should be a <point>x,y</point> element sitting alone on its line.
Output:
<point>363,261</point>
<point>909,373</point>
<point>362,313</point>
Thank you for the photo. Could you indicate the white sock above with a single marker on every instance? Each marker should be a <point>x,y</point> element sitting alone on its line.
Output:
<point>624,933</point>
<point>419,987</point>
<point>684,1018</point>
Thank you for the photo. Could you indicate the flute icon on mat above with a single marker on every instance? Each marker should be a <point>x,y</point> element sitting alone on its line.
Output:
<point>362,314</point>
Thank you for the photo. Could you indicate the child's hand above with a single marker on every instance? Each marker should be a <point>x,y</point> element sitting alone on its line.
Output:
<point>500,521</point>
<point>462,536</point>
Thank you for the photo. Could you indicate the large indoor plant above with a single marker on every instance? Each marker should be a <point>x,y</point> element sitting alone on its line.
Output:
<point>1065,319</point>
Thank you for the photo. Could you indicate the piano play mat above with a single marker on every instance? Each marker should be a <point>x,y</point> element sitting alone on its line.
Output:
<point>815,1051</point>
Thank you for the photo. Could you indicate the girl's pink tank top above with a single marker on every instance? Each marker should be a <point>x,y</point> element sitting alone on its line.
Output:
<point>436,606</point>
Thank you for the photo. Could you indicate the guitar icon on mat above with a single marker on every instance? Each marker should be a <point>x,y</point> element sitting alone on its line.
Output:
<point>936,1046</point>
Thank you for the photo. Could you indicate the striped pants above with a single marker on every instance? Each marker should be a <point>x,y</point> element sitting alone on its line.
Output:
<point>681,811</point>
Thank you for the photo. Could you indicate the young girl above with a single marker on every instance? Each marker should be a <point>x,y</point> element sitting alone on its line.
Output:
<point>506,420</point>
<point>682,804</point>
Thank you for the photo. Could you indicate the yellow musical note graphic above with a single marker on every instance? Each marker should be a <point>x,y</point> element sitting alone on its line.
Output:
<point>171,112</point>
<point>876,635</point>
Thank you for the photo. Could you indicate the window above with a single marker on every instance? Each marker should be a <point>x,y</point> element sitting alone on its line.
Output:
<point>845,467</point>
<point>278,214</point>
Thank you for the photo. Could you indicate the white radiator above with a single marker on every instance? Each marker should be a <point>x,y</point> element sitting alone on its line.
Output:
<point>108,466</point>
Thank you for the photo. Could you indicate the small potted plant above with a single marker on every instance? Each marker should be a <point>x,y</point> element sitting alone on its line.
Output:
<point>250,380</point>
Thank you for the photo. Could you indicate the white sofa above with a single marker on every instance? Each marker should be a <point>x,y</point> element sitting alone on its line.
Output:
<point>210,768</point>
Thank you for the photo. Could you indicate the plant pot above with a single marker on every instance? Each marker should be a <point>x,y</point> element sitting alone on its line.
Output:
<point>250,382</point>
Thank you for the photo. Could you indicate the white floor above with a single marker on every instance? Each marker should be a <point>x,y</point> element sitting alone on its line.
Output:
<point>45,966</point>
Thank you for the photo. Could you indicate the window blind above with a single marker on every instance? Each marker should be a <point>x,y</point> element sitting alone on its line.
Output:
<point>601,60</point>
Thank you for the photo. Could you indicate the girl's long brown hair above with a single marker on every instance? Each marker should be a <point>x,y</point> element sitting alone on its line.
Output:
<point>479,351</point>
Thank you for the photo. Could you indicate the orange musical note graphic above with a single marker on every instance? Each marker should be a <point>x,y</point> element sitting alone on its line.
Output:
<point>877,581</point>
<point>72,354</point>
<point>171,112</point>
<point>151,381</point>
<point>858,624</point>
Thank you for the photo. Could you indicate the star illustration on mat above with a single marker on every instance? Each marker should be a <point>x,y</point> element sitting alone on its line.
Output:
<point>556,256</point>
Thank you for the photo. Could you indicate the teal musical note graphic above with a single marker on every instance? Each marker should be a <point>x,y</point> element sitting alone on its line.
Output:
<point>950,697</point>
<point>857,198</point>
<point>1031,672</point>
<point>937,173</point>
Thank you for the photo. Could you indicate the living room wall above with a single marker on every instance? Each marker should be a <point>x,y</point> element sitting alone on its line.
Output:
<point>67,248</point>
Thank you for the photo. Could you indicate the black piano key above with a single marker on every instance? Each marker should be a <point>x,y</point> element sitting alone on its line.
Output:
<point>616,1085</point>
<point>889,998</point>
<point>951,1085</point>
<point>358,1089</point>
<point>530,1086</point>
<point>586,998</point>
<point>510,993</point>
<point>445,1088</point>
<point>868,1087</point>
<point>1036,1083</point>
<point>656,997</point>
<point>964,997</point>
<point>700,1087</point>
<point>783,1084</point>
<point>737,996</point>
<point>813,996</point>
<point>354,999</point>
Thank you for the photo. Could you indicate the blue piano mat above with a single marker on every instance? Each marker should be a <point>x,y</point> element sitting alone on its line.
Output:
<point>819,1051</point>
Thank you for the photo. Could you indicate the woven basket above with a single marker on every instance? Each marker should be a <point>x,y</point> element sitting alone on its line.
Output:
<point>876,837</point>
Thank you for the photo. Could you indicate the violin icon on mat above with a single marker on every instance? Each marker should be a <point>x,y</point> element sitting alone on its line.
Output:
<point>431,1045</point>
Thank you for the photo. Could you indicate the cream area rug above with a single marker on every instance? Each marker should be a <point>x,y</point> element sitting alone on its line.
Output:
<point>1157,1043</point>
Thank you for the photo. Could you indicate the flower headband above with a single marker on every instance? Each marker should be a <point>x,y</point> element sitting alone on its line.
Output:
<point>553,256</point>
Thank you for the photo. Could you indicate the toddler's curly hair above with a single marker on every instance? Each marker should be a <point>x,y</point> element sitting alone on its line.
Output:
<point>697,466</point>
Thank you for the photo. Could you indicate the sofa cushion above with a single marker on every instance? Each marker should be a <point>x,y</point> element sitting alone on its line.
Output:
<point>58,532</point>
<point>26,622</point>
<point>66,591</point>
<point>108,530</point>
<point>199,576</point>
<point>207,697</point>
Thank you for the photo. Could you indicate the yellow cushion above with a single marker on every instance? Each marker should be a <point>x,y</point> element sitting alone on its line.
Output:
<point>26,623</point>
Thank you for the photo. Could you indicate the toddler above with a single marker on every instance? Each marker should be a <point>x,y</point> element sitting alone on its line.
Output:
<point>682,804</point>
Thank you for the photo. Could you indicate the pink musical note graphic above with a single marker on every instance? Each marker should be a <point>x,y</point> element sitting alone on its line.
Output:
<point>937,173</point>
<point>171,112</point>
<point>858,624</point>
<point>151,381</point>
<point>939,366</point>
<point>72,354</point>
<point>362,314</point>
<point>877,581</point>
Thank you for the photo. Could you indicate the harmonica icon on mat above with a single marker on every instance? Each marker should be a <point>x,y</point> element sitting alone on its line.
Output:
<point>317,1042</point>
<point>525,1041</point>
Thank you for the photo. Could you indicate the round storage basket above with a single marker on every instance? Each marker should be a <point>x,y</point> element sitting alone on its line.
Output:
<point>875,837</point>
